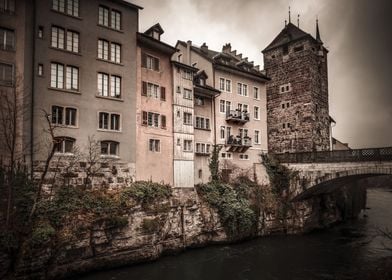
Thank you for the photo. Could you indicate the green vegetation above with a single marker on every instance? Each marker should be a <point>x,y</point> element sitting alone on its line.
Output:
<point>279,175</point>
<point>234,209</point>
<point>150,226</point>
<point>214,163</point>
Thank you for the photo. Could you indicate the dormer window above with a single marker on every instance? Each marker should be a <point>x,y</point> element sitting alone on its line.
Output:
<point>202,81</point>
<point>156,35</point>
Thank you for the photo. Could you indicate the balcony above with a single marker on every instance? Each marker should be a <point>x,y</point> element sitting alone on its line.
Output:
<point>238,144</point>
<point>237,116</point>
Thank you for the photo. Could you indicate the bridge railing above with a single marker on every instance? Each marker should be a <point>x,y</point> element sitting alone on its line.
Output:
<point>371,154</point>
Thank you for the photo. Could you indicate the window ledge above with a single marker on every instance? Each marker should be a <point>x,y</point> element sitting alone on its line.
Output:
<point>110,28</point>
<point>65,14</point>
<point>65,126</point>
<point>65,90</point>
<point>68,155</point>
<point>205,129</point>
<point>110,157</point>
<point>110,98</point>
<point>109,130</point>
<point>65,51</point>
<point>109,61</point>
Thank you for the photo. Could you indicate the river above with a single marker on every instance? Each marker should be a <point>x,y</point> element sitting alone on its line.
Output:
<point>336,253</point>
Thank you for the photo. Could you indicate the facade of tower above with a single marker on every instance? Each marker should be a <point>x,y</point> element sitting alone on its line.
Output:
<point>297,95</point>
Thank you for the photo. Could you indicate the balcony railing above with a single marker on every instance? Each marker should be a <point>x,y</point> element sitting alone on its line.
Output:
<point>238,144</point>
<point>237,116</point>
<point>371,154</point>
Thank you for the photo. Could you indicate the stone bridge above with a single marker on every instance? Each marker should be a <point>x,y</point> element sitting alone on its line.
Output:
<point>323,172</point>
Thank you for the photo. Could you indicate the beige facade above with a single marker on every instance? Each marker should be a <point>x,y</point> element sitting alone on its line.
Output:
<point>92,71</point>
<point>154,160</point>
<point>238,112</point>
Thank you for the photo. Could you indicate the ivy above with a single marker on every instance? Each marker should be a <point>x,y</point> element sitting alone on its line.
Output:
<point>279,175</point>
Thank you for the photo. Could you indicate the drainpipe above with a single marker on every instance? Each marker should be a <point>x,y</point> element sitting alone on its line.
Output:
<point>32,92</point>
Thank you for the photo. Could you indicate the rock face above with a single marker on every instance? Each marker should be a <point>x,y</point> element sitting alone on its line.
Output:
<point>151,233</point>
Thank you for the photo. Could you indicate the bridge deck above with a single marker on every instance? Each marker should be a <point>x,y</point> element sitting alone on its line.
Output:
<point>371,154</point>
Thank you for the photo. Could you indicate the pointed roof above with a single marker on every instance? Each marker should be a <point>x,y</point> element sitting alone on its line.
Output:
<point>156,27</point>
<point>318,38</point>
<point>289,34</point>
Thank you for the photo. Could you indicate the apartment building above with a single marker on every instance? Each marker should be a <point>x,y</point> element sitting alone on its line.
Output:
<point>16,67</point>
<point>78,63</point>
<point>240,117</point>
<point>154,153</point>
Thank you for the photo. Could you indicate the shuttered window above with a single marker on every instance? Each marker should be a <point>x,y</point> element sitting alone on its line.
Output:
<point>150,62</point>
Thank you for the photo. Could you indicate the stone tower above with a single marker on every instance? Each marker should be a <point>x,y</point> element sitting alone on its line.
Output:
<point>297,95</point>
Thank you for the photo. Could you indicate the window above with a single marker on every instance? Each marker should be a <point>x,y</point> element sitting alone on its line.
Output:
<point>242,89</point>
<point>285,88</point>
<point>222,84</point>
<point>64,116</point>
<point>57,75</point>
<point>187,145</point>
<point>6,74</point>
<point>70,116</point>
<point>109,18</point>
<point>115,52</point>
<point>286,125</point>
<point>188,75</point>
<point>103,85</point>
<point>58,37</point>
<point>72,78</point>
<point>227,155</point>
<point>202,148</point>
<point>115,87</point>
<point>202,123</point>
<point>115,20</point>
<point>57,115</point>
<point>200,173</point>
<point>7,6</point>
<point>72,41</point>
<point>256,94</point>
<point>150,62</point>
<point>286,105</point>
<point>256,113</point>
<point>7,39</point>
<point>187,118</point>
<point>64,145</point>
<point>109,148</point>
<point>257,137</point>
<point>103,49</point>
<point>40,31</point>
<point>152,119</point>
<point>199,101</point>
<point>187,93</point>
<point>69,7</point>
<point>109,121</point>
<point>222,132</point>
<point>103,16</point>
<point>154,145</point>
<point>65,40</point>
<point>40,70</point>
<point>222,106</point>
<point>152,90</point>
<point>244,156</point>
<point>228,85</point>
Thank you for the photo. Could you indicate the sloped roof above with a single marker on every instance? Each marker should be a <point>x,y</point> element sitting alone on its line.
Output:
<point>156,27</point>
<point>230,61</point>
<point>289,34</point>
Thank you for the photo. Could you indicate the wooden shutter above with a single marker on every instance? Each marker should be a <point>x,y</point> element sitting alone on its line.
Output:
<point>144,88</point>
<point>156,64</point>
<point>163,94</point>
<point>163,121</point>
<point>145,118</point>
<point>144,60</point>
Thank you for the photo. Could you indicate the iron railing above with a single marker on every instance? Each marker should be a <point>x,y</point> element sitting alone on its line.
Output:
<point>237,116</point>
<point>371,154</point>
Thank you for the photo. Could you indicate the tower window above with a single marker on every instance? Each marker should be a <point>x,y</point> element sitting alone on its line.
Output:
<point>285,88</point>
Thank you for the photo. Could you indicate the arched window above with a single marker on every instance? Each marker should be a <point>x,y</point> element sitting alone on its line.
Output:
<point>110,148</point>
<point>64,145</point>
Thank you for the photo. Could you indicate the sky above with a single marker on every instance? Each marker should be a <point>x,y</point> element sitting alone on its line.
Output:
<point>358,34</point>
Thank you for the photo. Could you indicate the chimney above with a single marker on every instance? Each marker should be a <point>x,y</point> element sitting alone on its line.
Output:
<point>188,52</point>
<point>226,48</point>
<point>204,48</point>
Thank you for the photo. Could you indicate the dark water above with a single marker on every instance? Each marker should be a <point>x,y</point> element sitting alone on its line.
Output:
<point>337,253</point>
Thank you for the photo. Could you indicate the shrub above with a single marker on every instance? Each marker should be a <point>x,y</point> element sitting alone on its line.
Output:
<point>150,226</point>
<point>234,210</point>
<point>42,234</point>
<point>279,175</point>
<point>146,192</point>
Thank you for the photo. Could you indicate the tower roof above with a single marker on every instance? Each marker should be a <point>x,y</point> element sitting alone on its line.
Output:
<point>289,34</point>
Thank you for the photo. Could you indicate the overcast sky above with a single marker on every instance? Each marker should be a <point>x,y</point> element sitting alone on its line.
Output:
<point>358,34</point>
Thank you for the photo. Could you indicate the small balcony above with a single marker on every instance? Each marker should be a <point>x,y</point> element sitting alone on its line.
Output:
<point>237,116</point>
<point>238,144</point>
